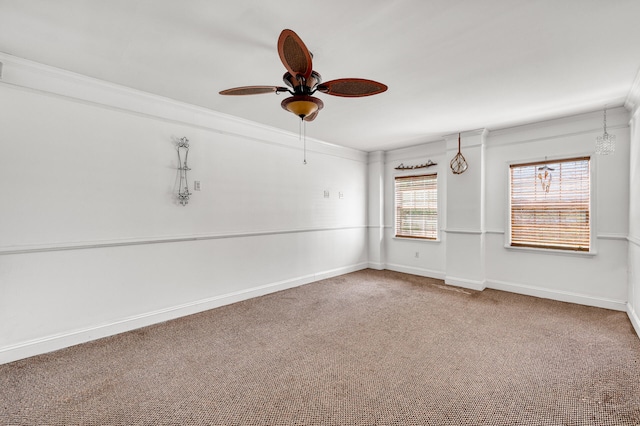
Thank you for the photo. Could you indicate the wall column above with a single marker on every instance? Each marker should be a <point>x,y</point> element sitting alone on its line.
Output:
<point>465,239</point>
<point>375,209</point>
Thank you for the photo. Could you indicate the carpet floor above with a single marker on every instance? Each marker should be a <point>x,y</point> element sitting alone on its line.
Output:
<point>366,348</point>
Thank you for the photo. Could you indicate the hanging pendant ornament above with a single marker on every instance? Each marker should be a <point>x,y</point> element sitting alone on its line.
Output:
<point>605,144</point>
<point>545,175</point>
<point>458,163</point>
<point>545,178</point>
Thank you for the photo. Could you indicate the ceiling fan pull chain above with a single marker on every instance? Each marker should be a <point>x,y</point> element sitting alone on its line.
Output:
<point>304,131</point>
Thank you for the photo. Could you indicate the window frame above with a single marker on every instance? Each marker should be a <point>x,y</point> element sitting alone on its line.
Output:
<point>592,250</point>
<point>436,237</point>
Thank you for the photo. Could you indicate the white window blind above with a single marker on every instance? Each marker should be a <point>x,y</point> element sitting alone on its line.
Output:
<point>417,206</point>
<point>553,213</point>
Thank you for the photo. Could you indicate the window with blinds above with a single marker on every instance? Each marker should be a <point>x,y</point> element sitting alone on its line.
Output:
<point>417,206</point>
<point>550,204</point>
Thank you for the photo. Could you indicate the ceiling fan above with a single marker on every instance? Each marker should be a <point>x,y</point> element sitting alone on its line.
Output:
<point>303,81</point>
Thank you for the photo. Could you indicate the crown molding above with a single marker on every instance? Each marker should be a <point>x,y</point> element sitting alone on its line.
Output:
<point>478,138</point>
<point>26,74</point>
<point>470,133</point>
<point>633,97</point>
<point>586,123</point>
<point>376,157</point>
<point>416,153</point>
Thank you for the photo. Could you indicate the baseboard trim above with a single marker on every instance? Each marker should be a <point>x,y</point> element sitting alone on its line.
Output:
<point>465,283</point>
<point>338,271</point>
<point>378,266</point>
<point>414,271</point>
<point>633,317</point>
<point>561,296</point>
<point>63,340</point>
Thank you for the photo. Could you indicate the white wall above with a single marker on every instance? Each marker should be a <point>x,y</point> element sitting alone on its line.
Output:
<point>599,279</point>
<point>418,257</point>
<point>633,307</point>
<point>92,240</point>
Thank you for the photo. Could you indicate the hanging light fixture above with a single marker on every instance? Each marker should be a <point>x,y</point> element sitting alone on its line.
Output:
<point>305,107</point>
<point>458,163</point>
<point>605,144</point>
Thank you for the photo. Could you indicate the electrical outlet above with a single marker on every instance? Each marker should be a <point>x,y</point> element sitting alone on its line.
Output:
<point>417,254</point>
<point>196,185</point>
<point>340,195</point>
<point>326,194</point>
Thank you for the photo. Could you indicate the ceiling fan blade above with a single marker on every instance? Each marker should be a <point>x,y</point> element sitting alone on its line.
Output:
<point>294,54</point>
<point>352,87</point>
<point>311,116</point>
<point>253,90</point>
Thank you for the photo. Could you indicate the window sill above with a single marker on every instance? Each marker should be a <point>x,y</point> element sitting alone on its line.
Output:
<point>424,240</point>
<point>554,252</point>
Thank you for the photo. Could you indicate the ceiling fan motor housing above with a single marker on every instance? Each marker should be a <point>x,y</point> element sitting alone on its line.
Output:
<point>302,85</point>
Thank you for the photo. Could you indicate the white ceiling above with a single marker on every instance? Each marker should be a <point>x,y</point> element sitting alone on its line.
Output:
<point>451,65</point>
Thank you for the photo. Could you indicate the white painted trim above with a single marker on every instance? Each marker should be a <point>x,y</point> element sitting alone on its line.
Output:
<point>633,97</point>
<point>452,139</point>
<point>465,283</point>
<point>612,236</point>
<point>494,231</point>
<point>463,231</point>
<point>634,240</point>
<point>554,252</point>
<point>378,266</point>
<point>422,272</point>
<point>29,75</point>
<point>64,340</point>
<point>35,248</point>
<point>498,134</point>
<point>633,317</point>
<point>416,240</point>
<point>376,157</point>
<point>552,137</point>
<point>635,115</point>
<point>412,153</point>
<point>559,295</point>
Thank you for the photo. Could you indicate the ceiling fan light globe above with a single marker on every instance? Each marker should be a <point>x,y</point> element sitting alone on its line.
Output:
<point>302,106</point>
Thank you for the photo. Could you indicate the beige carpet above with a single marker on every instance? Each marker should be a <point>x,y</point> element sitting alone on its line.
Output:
<point>367,348</point>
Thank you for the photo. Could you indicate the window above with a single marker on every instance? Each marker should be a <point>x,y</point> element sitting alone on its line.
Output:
<point>417,206</point>
<point>550,205</point>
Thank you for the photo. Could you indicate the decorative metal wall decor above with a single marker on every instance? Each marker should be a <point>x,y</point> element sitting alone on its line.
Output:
<point>183,188</point>
<point>458,163</point>
<point>429,163</point>
<point>605,144</point>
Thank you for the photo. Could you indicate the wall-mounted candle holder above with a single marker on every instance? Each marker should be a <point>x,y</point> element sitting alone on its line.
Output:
<point>183,188</point>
